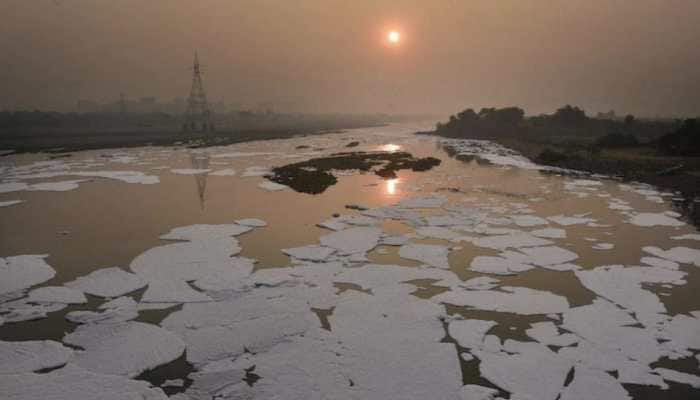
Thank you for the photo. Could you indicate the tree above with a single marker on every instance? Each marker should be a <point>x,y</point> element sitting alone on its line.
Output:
<point>508,115</point>
<point>569,115</point>
<point>468,115</point>
<point>684,141</point>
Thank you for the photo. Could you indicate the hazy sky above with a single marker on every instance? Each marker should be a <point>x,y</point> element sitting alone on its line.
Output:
<point>638,56</point>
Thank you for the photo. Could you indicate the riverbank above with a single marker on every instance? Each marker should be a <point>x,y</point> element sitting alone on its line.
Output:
<point>65,142</point>
<point>639,163</point>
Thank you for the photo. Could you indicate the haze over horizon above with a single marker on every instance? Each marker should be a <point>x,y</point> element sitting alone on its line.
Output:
<point>332,56</point>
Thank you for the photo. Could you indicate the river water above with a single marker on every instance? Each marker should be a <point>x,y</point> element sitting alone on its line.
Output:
<point>485,276</point>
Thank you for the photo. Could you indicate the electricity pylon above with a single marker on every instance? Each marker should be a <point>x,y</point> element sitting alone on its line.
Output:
<point>198,115</point>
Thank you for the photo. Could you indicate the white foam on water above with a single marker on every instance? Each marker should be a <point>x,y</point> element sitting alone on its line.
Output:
<point>623,286</point>
<point>126,348</point>
<point>437,232</point>
<point>206,232</point>
<point>238,154</point>
<point>190,171</point>
<point>272,186</point>
<point>372,276</point>
<point>255,171</point>
<point>603,246</point>
<point>608,328</point>
<point>470,333</point>
<point>568,221</point>
<point>528,220</point>
<point>255,321</point>
<point>107,282</point>
<point>29,356</point>
<point>659,262</point>
<point>252,222</point>
<point>433,201</point>
<point>22,310</point>
<point>57,294</point>
<point>680,377</point>
<point>10,203</point>
<point>513,240</point>
<point>120,309</point>
<point>654,219</point>
<point>549,233</point>
<point>310,253</point>
<point>498,265</point>
<point>689,236</point>
<point>381,346</point>
<point>224,172</point>
<point>592,384</point>
<point>547,333</point>
<point>549,255</point>
<point>21,272</point>
<point>517,300</point>
<point>476,392</point>
<point>7,187</point>
<point>72,382</point>
<point>527,370</point>
<point>169,268</point>
<point>683,255</point>
<point>352,240</point>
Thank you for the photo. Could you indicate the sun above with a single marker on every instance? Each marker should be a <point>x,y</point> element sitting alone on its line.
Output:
<point>393,37</point>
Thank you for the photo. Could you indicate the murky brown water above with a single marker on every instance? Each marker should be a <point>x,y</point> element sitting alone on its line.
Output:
<point>107,223</point>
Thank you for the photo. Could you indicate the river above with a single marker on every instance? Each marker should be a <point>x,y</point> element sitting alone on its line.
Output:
<point>485,277</point>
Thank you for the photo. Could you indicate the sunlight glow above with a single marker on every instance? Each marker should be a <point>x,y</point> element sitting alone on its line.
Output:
<point>393,37</point>
<point>391,148</point>
<point>391,186</point>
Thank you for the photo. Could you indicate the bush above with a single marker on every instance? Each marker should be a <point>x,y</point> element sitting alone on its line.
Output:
<point>684,141</point>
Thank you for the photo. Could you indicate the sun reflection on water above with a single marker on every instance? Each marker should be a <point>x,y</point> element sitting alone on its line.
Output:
<point>391,148</point>
<point>391,186</point>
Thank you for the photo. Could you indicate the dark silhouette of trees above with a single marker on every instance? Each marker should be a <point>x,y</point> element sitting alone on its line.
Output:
<point>684,141</point>
<point>468,115</point>
<point>568,125</point>
<point>568,115</point>
<point>508,115</point>
<point>487,120</point>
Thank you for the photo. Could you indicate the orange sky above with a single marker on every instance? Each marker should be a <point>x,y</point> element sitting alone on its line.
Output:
<point>331,55</point>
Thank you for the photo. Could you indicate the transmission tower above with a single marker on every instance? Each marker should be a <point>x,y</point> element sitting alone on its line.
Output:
<point>198,115</point>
